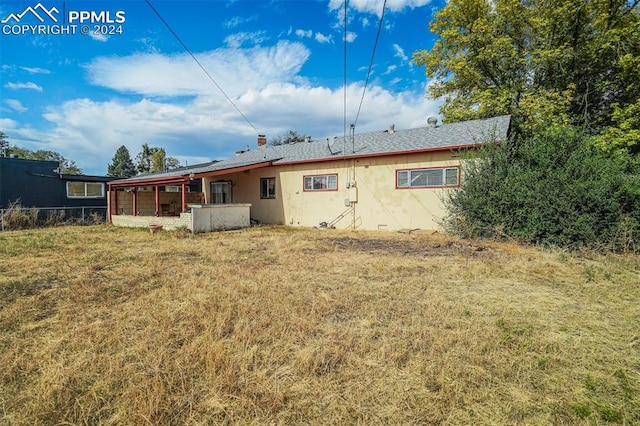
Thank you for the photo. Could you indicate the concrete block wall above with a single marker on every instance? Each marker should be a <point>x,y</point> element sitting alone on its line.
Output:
<point>167,222</point>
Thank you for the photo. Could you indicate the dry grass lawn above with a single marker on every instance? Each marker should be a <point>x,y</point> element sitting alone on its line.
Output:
<point>275,326</point>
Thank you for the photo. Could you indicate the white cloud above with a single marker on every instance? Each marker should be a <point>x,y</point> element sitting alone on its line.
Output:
<point>390,69</point>
<point>90,132</point>
<point>16,105</point>
<point>98,37</point>
<point>351,36</point>
<point>35,70</point>
<point>304,34</point>
<point>399,52</point>
<point>237,40</point>
<point>321,38</point>
<point>181,76</point>
<point>375,6</point>
<point>8,124</point>
<point>239,20</point>
<point>29,85</point>
<point>181,110</point>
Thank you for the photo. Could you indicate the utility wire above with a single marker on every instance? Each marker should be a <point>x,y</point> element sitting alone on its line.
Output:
<point>373,54</point>
<point>200,65</point>
<point>344,84</point>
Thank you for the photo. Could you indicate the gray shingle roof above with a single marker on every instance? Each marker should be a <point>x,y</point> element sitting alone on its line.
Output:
<point>374,143</point>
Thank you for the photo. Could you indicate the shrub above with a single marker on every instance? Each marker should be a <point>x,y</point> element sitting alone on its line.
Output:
<point>555,189</point>
<point>16,217</point>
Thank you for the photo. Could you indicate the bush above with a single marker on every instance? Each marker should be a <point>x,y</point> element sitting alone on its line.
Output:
<point>16,217</point>
<point>554,189</point>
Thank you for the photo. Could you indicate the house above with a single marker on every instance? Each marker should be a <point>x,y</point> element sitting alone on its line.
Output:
<point>386,180</point>
<point>37,183</point>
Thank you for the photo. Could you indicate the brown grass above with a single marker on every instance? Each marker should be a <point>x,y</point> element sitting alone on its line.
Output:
<point>100,325</point>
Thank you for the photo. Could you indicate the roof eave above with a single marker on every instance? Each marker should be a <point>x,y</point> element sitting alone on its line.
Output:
<point>233,170</point>
<point>379,154</point>
<point>158,181</point>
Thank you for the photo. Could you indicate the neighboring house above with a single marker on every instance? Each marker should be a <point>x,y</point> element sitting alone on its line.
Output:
<point>387,180</point>
<point>37,183</point>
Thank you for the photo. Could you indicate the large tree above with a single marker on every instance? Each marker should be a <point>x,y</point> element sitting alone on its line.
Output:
<point>4,144</point>
<point>64,165</point>
<point>121,165</point>
<point>291,137</point>
<point>545,62</point>
<point>154,159</point>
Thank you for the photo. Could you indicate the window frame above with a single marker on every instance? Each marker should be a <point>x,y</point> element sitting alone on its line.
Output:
<point>312,177</point>
<point>443,170</point>
<point>222,184</point>
<point>267,195</point>
<point>86,192</point>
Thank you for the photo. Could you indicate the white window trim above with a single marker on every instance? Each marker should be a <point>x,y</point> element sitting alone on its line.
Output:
<point>444,177</point>
<point>312,177</point>
<point>85,190</point>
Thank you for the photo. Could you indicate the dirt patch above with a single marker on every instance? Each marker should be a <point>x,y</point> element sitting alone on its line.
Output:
<point>421,247</point>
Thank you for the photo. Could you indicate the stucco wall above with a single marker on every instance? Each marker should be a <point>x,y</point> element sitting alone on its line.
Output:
<point>379,204</point>
<point>216,217</point>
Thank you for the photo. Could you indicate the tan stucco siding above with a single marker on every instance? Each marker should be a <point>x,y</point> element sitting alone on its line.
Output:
<point>378,203</point>
<point>246,189</point>
<point>383,206</point>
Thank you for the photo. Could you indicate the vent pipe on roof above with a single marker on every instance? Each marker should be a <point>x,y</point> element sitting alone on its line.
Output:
<point>262,140</point>
<point>432,121</point>
<point>392,128</point>
<point>307,138</point>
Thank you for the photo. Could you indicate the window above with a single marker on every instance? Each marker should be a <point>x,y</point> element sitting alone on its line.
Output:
<point>220,192</point>
<point>85,190</point>
<point>175,188</point>
<point>427,178</point>
<point>321,183</point>
<point>268,187</point>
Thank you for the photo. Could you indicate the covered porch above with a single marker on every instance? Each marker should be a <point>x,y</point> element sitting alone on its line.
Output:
<point>179,198</point>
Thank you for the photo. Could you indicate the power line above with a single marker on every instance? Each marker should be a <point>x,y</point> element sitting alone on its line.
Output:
<point>373,54</point>
<point>200,65</point>
<point>344,84</point>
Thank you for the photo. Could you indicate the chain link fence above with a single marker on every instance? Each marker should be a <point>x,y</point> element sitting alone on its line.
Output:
<point>16,217</point>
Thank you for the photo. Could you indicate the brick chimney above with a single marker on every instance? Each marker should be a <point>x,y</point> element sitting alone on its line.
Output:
<point>262,140</point>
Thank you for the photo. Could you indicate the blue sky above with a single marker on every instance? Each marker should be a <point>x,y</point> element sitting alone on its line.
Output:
<point>280,62</point>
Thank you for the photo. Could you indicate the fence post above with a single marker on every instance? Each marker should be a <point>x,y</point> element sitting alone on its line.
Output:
<point>1,219</point>
<point>83,215</point>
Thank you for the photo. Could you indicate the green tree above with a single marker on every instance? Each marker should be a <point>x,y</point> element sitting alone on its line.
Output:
<point>143,159</point>
<point>559,189</point>
<point>121,165</point>
<point>154,159</point>
<point>544,62</point>
<point>65,166</point>
<point>291,137</point>
<point>157,160</point>
<point>4,144</point>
